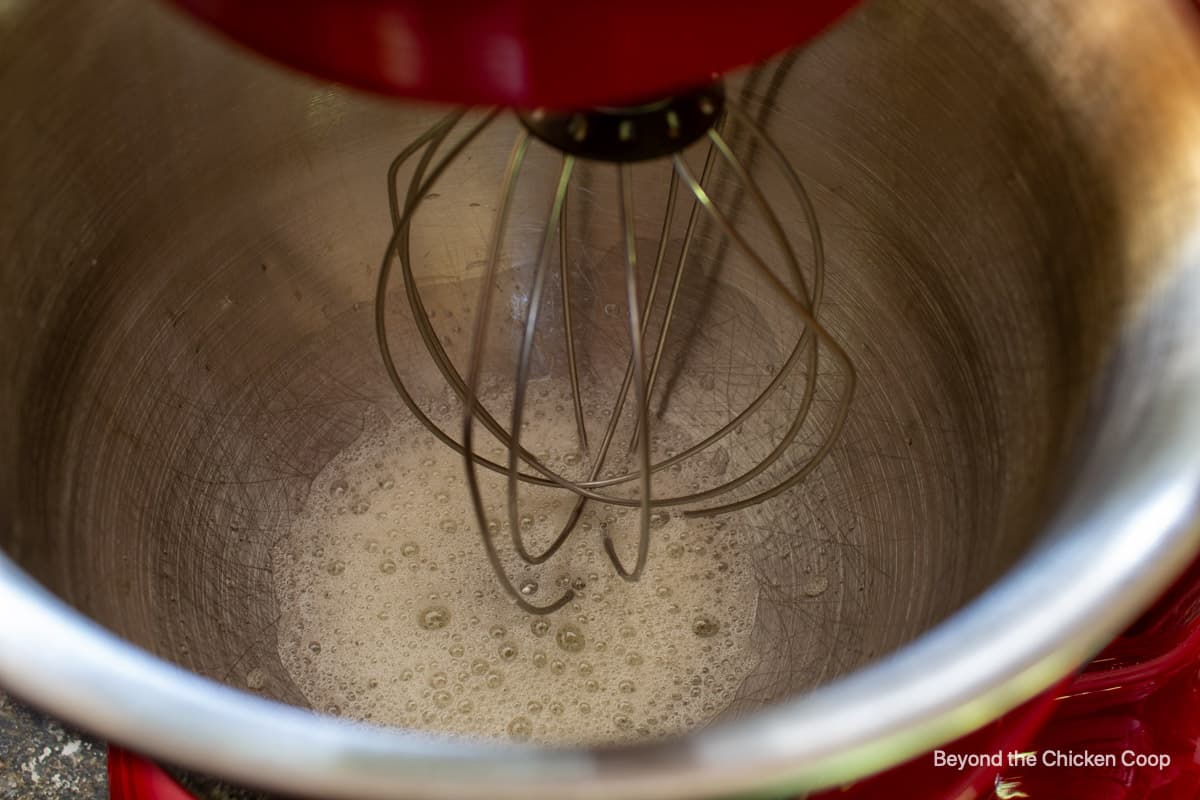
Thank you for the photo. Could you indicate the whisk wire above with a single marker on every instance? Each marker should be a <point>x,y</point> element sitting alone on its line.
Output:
<point>623,392</point>
<point>474,371</point>
<point>625,195</point>
<point>568,328</point>
<point>802,345</point>
<point>800,417</point>
<point>768,211</point>
<point>681,262</point>
<point>433,343</point>
<point>664,238</point>
<point>402,218</point>
<point>522,379</point>
<point>806,204</point>
<point>418,189</point>
<point>802,309</point>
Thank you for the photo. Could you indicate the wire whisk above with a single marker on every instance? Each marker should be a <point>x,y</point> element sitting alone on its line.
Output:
<point>622,138</point>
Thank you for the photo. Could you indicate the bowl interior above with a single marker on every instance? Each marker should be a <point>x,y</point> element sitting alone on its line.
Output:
<point>197,342</point>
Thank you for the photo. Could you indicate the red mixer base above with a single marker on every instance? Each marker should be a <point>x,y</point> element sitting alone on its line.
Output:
<point>1125,728</point>
<point>132,777</point>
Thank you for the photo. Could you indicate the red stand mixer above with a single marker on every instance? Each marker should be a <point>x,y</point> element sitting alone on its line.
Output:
<point>1125,727</point>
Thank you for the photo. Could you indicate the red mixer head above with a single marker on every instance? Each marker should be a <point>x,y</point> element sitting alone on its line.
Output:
<point>519,52</point>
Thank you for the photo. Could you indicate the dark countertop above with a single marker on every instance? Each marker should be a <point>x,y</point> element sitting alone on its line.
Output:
<point>40,759</point>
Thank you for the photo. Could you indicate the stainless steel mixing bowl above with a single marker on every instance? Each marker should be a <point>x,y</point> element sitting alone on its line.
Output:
<point>1010,199</point>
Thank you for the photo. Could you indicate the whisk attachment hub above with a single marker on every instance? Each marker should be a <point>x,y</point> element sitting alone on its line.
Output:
<point>626,134</point>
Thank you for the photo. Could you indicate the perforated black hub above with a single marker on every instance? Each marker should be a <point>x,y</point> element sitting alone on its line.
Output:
<point>630,133</point>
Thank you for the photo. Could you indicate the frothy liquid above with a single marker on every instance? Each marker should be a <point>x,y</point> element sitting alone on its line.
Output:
<point>391,612</point>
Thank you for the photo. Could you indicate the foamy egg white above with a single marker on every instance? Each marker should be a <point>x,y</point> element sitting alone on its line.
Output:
<point>391,612</point>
